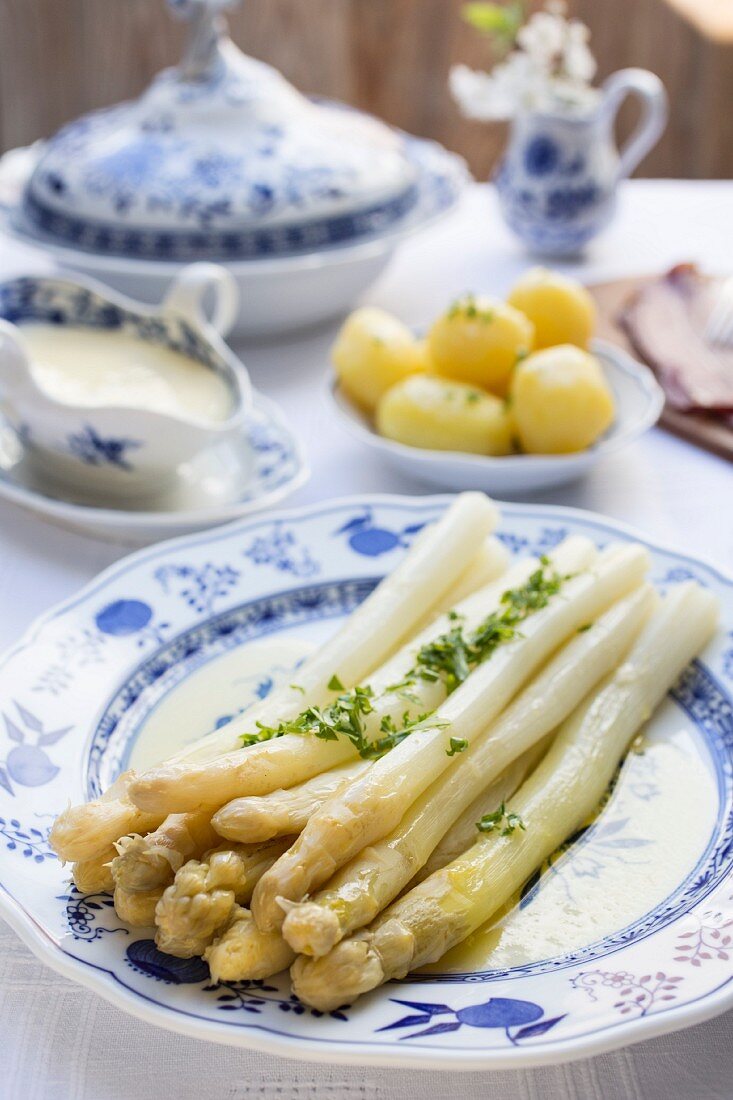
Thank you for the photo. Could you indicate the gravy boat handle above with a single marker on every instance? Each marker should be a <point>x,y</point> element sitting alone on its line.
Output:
<point>186,297</point>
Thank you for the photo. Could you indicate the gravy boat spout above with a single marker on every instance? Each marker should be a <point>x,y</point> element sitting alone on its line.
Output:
<point>111,448</point>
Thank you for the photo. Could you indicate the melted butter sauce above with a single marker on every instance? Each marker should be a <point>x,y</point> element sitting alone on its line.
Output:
<point>220,689</point>
<point>101,367</point>
<point>639,848</point>
<point>646,838</point>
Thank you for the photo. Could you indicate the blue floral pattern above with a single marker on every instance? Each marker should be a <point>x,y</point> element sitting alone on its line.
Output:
<point>556,188</point>
<point>200,587</point>
<point>676,955</point>
<point>519,1020</point>
<point>279,548</point>
<point>367,537</point>
<point>96,450</point>
<point>84,910</point>
<point>28,841</point>
<point>544,543</point>
<point>203,642</point>
<point>27,763</point>
<point>170,177</point>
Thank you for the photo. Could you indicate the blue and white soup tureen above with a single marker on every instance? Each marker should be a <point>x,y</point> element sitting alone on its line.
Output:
<point>220,158</point>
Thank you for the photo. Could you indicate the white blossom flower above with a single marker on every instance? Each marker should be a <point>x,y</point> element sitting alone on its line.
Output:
<point>578,61</point>
<point>543,38</point>
<point>550,68</point>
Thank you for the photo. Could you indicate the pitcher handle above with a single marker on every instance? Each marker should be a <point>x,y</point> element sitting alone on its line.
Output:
<point>187,291</point>
<point>650,90</point>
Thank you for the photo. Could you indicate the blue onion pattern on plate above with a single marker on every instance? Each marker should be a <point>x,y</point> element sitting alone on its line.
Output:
<point>157,617</point>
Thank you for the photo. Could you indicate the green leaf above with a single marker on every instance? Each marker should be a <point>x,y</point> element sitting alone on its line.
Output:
<point>457,744</point>
<point>503,819</point>
<point>334,684</point>
<point>500,20</point>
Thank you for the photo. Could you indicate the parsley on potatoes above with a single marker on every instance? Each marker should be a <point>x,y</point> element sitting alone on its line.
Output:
<point>429,412</point>
<point>480,340</point>
<point>491,377</point>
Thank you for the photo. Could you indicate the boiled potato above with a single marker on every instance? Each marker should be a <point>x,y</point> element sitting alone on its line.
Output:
<point>480,340</point>
<point>561,401</point>
<point>429,412</point>
<point>561,310</point>
<point>374,350</point>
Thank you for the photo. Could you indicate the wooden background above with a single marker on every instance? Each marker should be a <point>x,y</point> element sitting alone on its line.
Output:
<point>59,58</point>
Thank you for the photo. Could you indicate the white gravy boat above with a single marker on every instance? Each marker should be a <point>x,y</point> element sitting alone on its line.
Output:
<point>118,452</point>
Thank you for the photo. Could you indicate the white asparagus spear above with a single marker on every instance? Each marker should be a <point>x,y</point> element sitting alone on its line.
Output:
<point>283,812</point>
<point>373,805</point>
<point>81,833</point>
<point>242,953</point>
<point>462,833</point>
<point>200,900</point>
<point>291,759</point>
<point>137,909</point>
<point>491,562</point>
<point>94,876</point>
<point>373,878</point>
<point>143,863</point>
<point>437,559</point>
<point>552,804</point>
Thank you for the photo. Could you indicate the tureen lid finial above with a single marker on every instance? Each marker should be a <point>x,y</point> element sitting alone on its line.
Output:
<point>208,27</point>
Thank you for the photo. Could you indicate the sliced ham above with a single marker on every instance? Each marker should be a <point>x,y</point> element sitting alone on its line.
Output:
<point>665,322</point>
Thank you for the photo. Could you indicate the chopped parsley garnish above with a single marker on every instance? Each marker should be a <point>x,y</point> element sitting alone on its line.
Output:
<point>472,397</point>
<point>454,655</point>
<point>298,687</point>
<point>505,820</point>
<point>467,307</point>
<point>449,658</point>
<point>584,628</point>
<point>343,717</point>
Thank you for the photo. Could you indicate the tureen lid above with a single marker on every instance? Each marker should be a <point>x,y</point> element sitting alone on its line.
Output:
<point>220,156</point>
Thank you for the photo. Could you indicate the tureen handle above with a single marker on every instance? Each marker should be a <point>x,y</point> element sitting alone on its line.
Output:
<point>208,27</point>
<point>189,289</point>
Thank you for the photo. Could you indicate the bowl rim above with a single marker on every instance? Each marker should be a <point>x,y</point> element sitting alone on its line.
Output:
<point>618,435</point>
<point>136,520</point>
<point>233,365</point>
<point>13,222</point>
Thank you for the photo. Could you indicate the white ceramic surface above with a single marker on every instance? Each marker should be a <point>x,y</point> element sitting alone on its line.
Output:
<point>278,294</point>
<point>121,452</point>
<point>558,180</point>
<point>134,638</point>
<point>660,484</point>
<point>255,469</point>
<point>639,402</point>
<point>219,158</point>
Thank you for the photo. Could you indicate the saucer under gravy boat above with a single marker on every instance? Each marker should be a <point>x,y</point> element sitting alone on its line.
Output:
<point>119,449</point>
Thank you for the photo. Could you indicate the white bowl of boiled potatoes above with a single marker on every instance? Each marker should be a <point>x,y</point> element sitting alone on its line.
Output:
<point>505,396</point>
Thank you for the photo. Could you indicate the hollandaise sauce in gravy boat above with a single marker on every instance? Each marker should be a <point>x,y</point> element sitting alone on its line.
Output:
<point>94,367</point>
<point>110,397</point>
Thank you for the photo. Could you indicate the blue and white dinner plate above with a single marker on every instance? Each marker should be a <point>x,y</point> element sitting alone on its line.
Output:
<point>626,933</point>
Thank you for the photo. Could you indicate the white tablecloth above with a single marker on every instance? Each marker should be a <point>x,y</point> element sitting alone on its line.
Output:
<point>60,1041</point>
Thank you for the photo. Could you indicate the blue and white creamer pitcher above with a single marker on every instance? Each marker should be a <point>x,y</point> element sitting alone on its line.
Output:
<point>559,177</point>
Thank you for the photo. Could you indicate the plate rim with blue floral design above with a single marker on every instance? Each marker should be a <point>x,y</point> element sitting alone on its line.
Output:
<point>280,467</point>
<point>196,597</point>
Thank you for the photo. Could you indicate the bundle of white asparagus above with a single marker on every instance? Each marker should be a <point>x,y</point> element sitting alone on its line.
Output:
<point>460,726</point>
